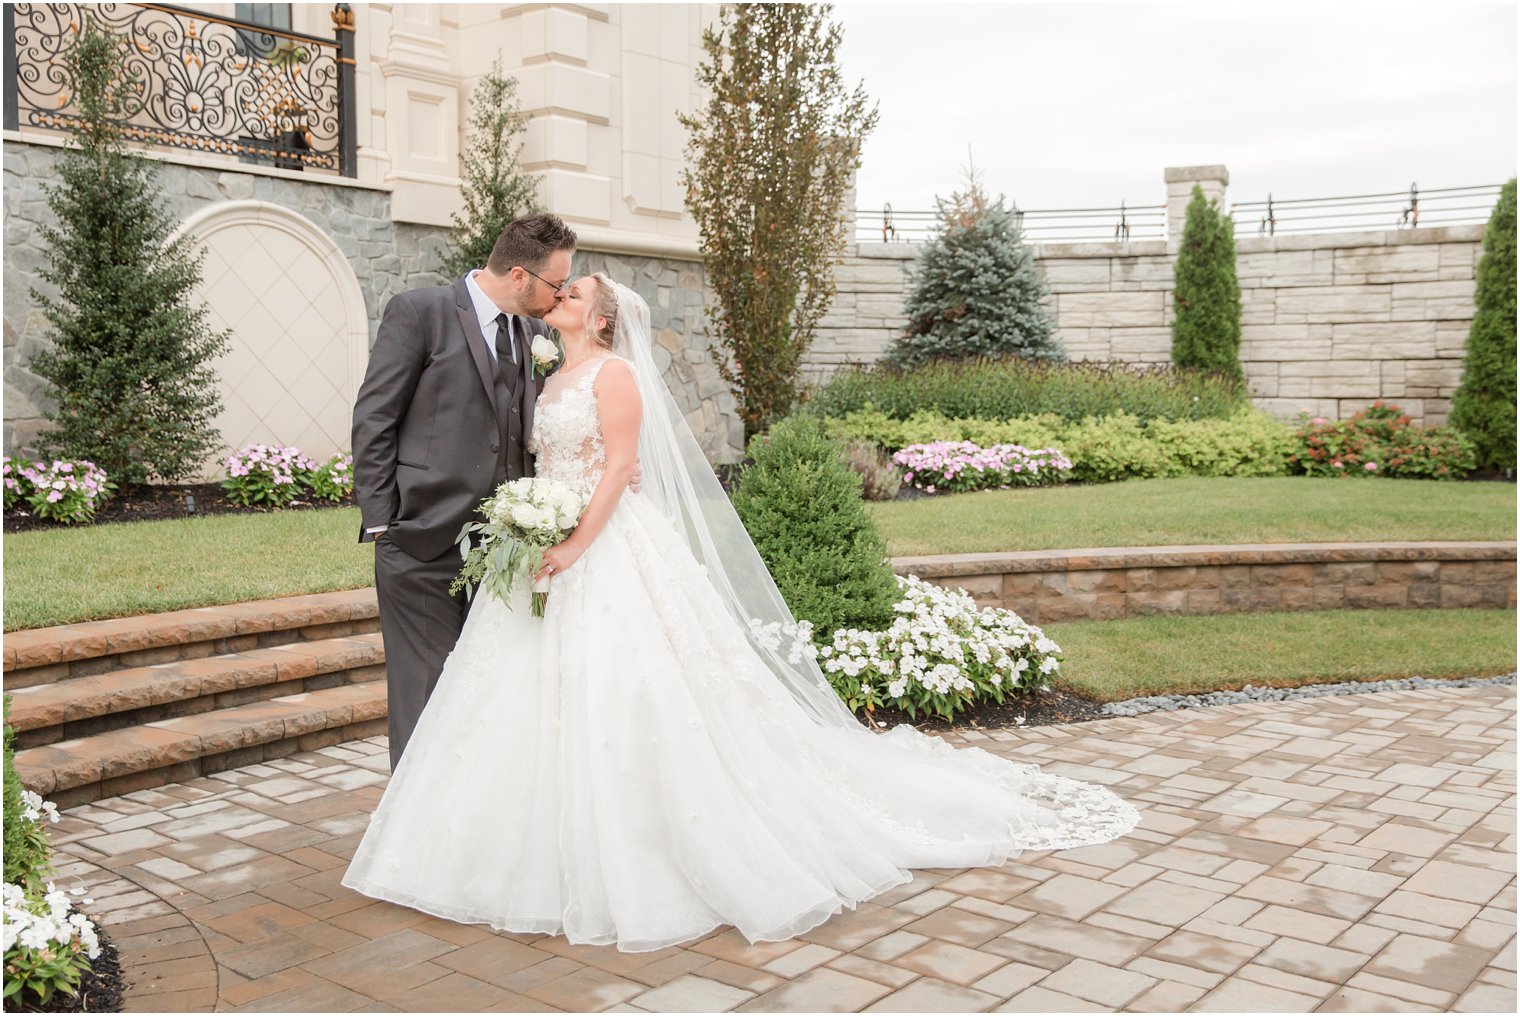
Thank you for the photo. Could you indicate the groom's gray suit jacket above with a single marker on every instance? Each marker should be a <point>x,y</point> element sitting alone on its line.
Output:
<point>430,440</point>
<point>435,430</point>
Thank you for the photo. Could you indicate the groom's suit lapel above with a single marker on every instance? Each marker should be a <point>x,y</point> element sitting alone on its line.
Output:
<point>477,342</point>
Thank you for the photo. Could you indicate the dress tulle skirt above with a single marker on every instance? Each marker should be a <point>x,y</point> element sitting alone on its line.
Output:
<point>624,771</point>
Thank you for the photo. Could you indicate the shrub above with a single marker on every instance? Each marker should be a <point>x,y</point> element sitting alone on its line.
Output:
<point>25,845</point>
<point>1206,328</point>
<point>17,486</point>
<point>953,466</point>
<point>1381,441</point>
<point>65,491</point>
<point>129,370</point>
<point>941,655</point>
<point>880,479</point>
<point>333,480</point>
<point>267,475</point>
<point>802,506</point>
<point>976,291</point>
<point>1484,405</point>
<point>1003,389</point>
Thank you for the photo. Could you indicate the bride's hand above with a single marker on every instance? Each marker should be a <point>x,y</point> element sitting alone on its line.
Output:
<point>558,559</point>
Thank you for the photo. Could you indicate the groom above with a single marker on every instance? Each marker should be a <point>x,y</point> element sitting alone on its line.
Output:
<point>442,419</point>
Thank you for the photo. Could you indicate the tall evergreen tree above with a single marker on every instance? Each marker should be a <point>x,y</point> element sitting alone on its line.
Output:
<point>769,163</point>
<point>130,366</point>
<point>1206,328</point>
<point>1484,406</point>
<point>496,190</point>
<point>976,291</point>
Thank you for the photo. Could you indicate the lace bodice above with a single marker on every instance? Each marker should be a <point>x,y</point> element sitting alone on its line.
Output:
<point>567,433</point>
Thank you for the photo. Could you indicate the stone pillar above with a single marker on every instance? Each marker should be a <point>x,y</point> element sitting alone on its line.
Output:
<point>1179,191</point>
<point>422,104</point>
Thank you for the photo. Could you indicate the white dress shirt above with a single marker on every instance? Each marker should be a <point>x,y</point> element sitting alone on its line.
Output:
<point>486,311</point>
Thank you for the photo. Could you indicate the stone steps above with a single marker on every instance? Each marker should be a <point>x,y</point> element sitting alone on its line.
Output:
<point>43,655</point>
<point>109,707</point>
<point>181,748</point>
<point>82,706</point>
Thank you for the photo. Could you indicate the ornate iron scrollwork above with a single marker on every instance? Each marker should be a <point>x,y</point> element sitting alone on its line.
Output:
<point>200,82</point>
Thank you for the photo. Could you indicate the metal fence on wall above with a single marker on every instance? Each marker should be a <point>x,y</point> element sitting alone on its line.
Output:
<point>197,81</point>
<point>1442,206</point>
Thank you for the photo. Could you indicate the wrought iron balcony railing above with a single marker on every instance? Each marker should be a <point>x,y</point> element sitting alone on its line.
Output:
<point>199,81</point>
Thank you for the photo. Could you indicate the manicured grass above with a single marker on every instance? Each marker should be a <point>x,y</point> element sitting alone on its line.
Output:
<point>67,575</point>
<point>63,576</point>
<point>1197,510</point>
<point>1114,660</point>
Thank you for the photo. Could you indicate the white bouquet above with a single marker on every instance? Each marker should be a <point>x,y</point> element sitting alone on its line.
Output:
<point>523,519</point>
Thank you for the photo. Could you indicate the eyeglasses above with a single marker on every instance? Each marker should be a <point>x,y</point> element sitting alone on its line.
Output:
<point>540,278</point>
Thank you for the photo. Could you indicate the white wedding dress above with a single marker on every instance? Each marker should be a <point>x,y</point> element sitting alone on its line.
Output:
<point>626,770</point>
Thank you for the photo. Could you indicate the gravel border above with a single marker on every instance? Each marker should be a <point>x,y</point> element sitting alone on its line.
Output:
<point>1250,693</point>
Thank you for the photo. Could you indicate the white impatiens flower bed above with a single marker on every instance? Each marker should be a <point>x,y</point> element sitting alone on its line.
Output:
<point>941,655</point>
<point>48,943</point>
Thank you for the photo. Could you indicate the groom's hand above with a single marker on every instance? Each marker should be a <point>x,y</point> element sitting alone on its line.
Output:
<point>637,478</point>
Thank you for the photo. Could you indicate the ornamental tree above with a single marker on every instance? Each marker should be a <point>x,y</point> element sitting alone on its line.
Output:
<point>496,190</point>
<point>976,291</point>
<point>1206,329</point>
<point>130,366</point>
<point>1484,405</point>
<point>770,158</point>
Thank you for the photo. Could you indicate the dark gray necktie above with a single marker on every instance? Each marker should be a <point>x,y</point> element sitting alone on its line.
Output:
<point>508,363</point>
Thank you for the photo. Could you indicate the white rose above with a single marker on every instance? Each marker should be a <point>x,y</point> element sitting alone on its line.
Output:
<point>545,351</point>
<point>525,515</point>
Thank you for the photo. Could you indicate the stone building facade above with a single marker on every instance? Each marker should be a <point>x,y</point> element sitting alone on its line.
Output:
<point>300,265</point>
<point>1330,321</point>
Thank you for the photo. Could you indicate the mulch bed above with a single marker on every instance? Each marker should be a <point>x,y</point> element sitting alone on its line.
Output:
<point>153,502</point>
<point>1035,710</point>
<point>103,989</point>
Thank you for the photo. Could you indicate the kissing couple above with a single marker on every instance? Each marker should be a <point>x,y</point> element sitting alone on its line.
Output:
<point>642,764</point>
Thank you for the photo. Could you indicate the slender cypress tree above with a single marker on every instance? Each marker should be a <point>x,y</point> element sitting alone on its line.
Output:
<point>1206,329</point>
<point>496,190</point>
<point>976,292</point>
<point>130,366</point>
<point>1484,406</point>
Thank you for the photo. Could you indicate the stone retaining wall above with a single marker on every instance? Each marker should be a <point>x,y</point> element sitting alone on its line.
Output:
<point>1329,322</point>
<point>1100,584</point>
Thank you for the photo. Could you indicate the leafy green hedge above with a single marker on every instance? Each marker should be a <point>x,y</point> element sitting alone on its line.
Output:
<point>1102,449</point>
<point>1003,389</point>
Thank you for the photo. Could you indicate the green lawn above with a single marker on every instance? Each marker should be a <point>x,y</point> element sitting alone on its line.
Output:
<point>1198,510</point>
<point>1114,660</point>
<point>65,575</point>
<point>62,576</point>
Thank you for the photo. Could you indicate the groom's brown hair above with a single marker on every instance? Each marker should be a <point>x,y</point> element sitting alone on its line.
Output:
<point>528,242</point>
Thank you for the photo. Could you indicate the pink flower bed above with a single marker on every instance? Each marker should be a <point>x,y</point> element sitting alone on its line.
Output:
<point>960,465</point>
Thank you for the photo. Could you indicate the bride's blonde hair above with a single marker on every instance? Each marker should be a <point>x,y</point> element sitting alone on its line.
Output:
<point>603,303</point>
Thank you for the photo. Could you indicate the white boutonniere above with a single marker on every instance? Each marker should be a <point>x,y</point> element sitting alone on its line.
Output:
<point>545,354</point>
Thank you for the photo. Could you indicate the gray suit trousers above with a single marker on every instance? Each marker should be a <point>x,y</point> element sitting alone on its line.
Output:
<point>420,623</point>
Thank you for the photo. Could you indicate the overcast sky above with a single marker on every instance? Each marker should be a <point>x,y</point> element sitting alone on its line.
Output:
<point>1079,104</point>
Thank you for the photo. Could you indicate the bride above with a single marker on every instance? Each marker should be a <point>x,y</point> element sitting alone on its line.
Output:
<point>638,767</point>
